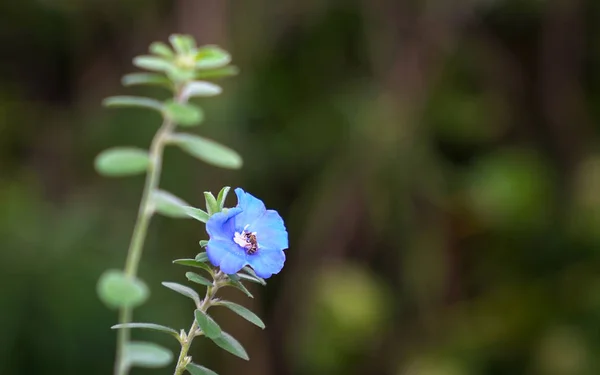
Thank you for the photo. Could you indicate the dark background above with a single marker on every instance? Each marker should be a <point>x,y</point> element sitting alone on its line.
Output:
<point>436,163</point>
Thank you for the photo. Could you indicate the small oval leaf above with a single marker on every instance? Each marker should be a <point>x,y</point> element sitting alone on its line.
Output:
<point>183,290</point>
<point>212,57</point>
<point>197,213</point>
<point>153,63</point>
<point>169,205</point>
<point>182,43</point>
<point>236,283</point>
<point>146,354</point>
<point>116,289</point>
<point>210,328</point>
<point>253,279</point>
<point>161,49</point>
<point>195,369</point>
<point>202,257</point>
<point>208,151</point>
<point>223,72</point>
<point>151,79</point>
<point>200,89</point>
<point>243,312</point>
<point>132,101</point>
<point>122,161</point>
<point>150,326</point>
<point>195,278</point>
<point>211,203</point>
<point>227,342</point>
<point>222,196</point>
<point>194,263</point>
<point>183,114</point>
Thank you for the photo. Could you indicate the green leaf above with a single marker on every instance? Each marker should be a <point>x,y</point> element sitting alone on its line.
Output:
<point>153,79</point>
<point>196,213</point>
<point>146,354</point>
<point>223,72</point>
<point>222,196</point>
<point>211,57</point>
<point>184,114</point>
<point>194,263</point>
<point>182,43</point>
<point>208,151</point>
<point>132,101</point>
<point>150,326</point>
<point>202,257</point>
<point>195,369</point>
<point>243,312</point>
<point>211,203</point>
<point>183,290</point>
<point>210,328</point>
<point>194,277</point>
<point>238,285</point>
<point>251,272</point>
<point>116,289</point>
<point>227,342</point>
<point>200,89</point>
<point>203,243</point>
<point>169,205</point>
<point>153,63</point>
<point>161,49</point>
<point>122,161</point>
<point>253,279</point>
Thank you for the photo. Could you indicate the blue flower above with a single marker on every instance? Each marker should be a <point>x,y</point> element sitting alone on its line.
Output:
<point>247,234</point>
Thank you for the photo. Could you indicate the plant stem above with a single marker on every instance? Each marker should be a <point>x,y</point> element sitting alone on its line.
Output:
<point>187,343</point>
<point>140,230</point>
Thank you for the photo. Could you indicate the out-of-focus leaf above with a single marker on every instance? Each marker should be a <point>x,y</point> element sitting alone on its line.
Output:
<point>122,161</point>
<point>116,289</point>
<point>208,151</point>
<point>161,49</point>
<point>200,89</point>
<point>133,101</point>
<point>212,57</point>
<point>183,114</point>
<point>182,43</point>
<point>152,79</point>
<point>146,354</point>
<point>153,63</point>
<point>169,205</point>
<point>226,71</point>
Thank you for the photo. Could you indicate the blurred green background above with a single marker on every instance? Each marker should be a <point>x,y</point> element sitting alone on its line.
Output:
<point>436,163</point>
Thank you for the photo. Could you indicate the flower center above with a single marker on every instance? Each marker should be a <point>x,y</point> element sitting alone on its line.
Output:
<point>246,240</point>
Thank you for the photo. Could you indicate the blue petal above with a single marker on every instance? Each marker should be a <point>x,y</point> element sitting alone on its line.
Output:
<point>252,209</point>
<point>226,254</point>
<point>270,231</point>
<point>267,262</point>
<point>222,224</point>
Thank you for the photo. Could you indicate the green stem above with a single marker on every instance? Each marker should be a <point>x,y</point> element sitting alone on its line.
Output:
<point>140,230</point>
<point>182,362</point>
